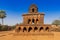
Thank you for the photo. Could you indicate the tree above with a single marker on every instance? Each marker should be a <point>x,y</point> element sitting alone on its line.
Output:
<point>2,15</point>
<point>5,28</point>
<point>56,22</point>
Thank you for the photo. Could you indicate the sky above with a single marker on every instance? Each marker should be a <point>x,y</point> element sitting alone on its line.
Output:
<point>15,8</point>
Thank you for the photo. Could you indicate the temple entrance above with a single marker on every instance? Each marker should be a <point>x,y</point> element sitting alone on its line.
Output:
<point>18,29</point>
<point>24,29</point>
<point>29,29</point>
<point>41,28</point>
<point>35,28</point>
<point>47,29</point>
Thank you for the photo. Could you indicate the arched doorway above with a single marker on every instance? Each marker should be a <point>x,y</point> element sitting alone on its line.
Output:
<point>18,29</point>
<point>41,28</point>
<point>29,29</point>
<point>24,29</point>
<point>35,28</point>
<point>47,28</point>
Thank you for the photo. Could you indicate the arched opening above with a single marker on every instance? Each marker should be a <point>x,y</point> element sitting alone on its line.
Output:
<point>33,10</point>
<point>24,29</point>
<point>29,21</point>
<point>32,21</point>
<point>35,28</point>
<point>37,21</point>
<point>41,28</point>
<point>18,29</point>
<point>29,29</point>
<point>47,28</point>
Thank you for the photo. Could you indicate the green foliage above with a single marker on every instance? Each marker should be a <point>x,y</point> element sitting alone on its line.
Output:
<point>2,11</point>
<point>5,28</point>
<point>0,28</point>
<point>2,14</point>
<point>56,22</point>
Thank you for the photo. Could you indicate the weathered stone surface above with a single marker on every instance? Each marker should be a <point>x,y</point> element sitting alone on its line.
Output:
<point>33,21</point>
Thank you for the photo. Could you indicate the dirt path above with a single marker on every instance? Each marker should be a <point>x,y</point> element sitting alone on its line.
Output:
<point>10,36</point>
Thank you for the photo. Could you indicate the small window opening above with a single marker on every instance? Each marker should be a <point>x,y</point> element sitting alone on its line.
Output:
<point>33,10</point>
<point>29,21</point>
<point>32,21</point>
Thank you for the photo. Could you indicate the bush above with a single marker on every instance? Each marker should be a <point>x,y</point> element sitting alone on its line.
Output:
<point>0,28</point>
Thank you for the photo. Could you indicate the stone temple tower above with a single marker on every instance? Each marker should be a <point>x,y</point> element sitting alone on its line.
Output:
<point>33,17</point>
<point>33,21</point>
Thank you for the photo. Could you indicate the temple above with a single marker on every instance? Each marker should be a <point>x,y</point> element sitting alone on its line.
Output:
<point>33,21</point>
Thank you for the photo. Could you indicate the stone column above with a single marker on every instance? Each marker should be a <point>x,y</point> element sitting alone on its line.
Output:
<point>31,20</point>
<point>35,21</point>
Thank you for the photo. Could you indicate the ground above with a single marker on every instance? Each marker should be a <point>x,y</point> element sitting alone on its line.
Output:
<point>11,35</point>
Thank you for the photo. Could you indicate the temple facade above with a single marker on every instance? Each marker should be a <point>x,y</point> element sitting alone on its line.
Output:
<point>33,21</point>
